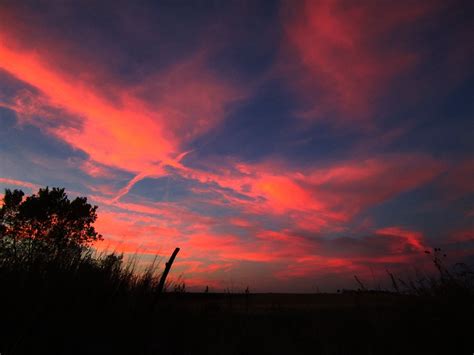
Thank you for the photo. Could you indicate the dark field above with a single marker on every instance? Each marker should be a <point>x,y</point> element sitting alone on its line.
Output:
<point>83,320</point>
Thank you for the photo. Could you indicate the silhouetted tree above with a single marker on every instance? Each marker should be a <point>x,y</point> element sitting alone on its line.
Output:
<point>45,224</point>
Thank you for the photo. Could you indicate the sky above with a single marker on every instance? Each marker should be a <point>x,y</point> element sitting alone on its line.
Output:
<point>282,145</point>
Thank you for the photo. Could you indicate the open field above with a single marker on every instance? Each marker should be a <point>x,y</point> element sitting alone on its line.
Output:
<point>235,324</point>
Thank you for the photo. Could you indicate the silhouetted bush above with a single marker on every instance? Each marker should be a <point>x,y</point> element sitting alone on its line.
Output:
<point>45,225</point>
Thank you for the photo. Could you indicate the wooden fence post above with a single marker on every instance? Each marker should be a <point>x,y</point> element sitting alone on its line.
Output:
<point>161,285</point>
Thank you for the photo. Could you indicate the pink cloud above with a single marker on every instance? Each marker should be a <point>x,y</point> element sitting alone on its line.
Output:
<point>325,195</point>
<point>96,170</point>
<point>133,132</point>
<point>343,63</point>
<point>19,183</point>
<point>413,239</point>
<point>368,256</point>
<point>461,236</point>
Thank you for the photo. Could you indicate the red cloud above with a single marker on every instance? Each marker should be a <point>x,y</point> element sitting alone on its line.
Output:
<point>95,170</point>
<point>461,236</point>
<point>311,265</point>
<point>392,246</point>
<point>342,52</point>
<point>226,247</point>
<point>323,196</point>
<point>136,131</point>
<point>414,240</point>
<point>19,183</point>
<point>132,233</point>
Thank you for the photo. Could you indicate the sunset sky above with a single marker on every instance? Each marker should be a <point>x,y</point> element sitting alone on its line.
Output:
<point>283,145</point>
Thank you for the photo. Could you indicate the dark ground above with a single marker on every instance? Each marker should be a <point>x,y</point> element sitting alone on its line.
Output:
<point>82,321</point>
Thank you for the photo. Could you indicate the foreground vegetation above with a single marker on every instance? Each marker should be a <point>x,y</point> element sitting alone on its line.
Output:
<point>61,298</point>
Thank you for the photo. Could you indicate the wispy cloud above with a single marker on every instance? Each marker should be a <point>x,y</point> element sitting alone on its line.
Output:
<point>342,64</point>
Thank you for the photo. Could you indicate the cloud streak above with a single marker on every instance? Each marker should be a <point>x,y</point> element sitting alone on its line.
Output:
<point>342,64</point>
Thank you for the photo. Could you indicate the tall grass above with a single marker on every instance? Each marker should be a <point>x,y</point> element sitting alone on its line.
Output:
<point>447,281</point>
<point>85,295</point>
